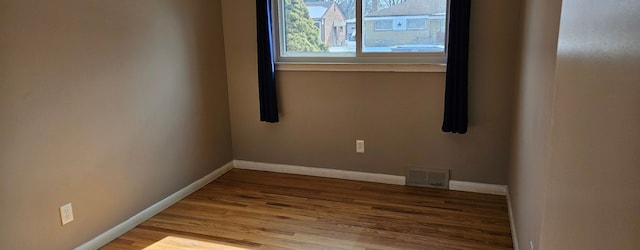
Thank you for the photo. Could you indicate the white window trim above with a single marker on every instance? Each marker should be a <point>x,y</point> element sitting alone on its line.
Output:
<point>358,61</point>
<point>363,67</point>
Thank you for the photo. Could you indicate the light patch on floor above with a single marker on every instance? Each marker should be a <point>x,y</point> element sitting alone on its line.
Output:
<point>173,242</point>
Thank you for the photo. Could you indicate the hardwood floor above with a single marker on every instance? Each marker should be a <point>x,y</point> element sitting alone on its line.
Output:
<point>258,210</point>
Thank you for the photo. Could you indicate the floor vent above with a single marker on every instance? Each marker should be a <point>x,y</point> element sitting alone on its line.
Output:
<point>421,177</point>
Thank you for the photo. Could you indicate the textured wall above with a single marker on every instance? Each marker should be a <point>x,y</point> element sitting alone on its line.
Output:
<point>532,140</point>
<point>593,184</point>
<point>112,105</point>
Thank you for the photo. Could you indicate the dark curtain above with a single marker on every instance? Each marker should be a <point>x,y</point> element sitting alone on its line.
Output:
<point>455,100</point>
<point>266,66</point>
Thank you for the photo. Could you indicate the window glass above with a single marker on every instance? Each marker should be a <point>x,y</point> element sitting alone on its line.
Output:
<point>318,28</point>
<point>386,24</point>
<point>417,23</point>
<point>326,29</point>
<point>409,26</point>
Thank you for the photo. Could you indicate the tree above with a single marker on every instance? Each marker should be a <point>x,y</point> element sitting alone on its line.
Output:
<point>389,3</point>
<point>349,6</point>
<point>301,33</point>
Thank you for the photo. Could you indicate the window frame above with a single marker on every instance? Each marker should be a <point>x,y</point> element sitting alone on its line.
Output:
<point>433,61</point>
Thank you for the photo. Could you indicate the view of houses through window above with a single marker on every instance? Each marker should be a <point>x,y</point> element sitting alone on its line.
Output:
<point>328,27</point>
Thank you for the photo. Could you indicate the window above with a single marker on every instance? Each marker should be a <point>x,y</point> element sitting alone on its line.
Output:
<point>378,31</point>
<point>384,24</point>
<point>417,23</point>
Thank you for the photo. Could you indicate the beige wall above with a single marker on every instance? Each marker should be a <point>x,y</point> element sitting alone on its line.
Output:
<point>112,105</point>
<point>532,132</point>
<point>574,180</point>
<point>593,183</point>
<point>399,115</point>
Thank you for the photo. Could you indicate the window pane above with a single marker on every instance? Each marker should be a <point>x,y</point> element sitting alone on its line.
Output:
<point>404,25</point>
<point>383,25</point>
<point>318,28</point>
<point>417,23</point>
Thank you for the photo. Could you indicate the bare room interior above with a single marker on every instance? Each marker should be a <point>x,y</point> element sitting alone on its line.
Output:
<point>137,125</point>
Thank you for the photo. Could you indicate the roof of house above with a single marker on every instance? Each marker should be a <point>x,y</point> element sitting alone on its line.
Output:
<point>318,9</point>
<point>413,8</point>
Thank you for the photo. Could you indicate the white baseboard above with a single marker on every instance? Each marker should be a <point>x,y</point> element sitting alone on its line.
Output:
<point>361,176</point>
<point>320,172</point>
<point>478,187</point>
<point>154,209</point>
<point>512,222</point>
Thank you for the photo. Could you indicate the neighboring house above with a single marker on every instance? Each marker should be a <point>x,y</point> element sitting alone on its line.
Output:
<point>329,18</point>
<point>411,22</point>
<point>351,29</point>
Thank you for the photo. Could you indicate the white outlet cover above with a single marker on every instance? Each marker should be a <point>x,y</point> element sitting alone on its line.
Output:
<point>66,213</point>
<point>359,146</point>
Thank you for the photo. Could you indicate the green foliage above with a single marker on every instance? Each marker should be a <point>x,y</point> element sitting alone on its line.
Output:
<point>301,33</point>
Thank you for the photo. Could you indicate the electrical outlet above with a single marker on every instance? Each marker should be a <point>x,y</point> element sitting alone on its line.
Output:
<point>359,146</point>
<point>66,213</point>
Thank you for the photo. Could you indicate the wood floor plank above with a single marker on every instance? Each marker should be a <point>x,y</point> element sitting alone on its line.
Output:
<point>258,210</point>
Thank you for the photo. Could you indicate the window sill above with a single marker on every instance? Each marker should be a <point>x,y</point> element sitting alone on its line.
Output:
<point>363,67</point>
